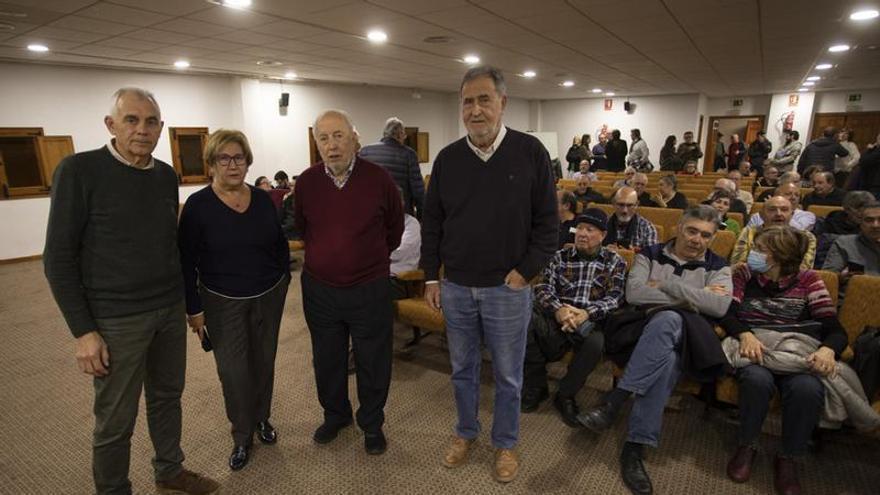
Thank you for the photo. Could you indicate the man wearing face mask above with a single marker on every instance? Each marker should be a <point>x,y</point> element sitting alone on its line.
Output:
<point>581,286</point>
<point>777,212</point>
<point>627,229</point>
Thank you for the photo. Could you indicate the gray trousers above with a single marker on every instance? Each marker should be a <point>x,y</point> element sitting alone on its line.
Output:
<point>147,351</point>
<point>244,333</point>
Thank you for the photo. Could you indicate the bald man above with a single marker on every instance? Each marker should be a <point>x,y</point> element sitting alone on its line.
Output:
<point>800,219</point>
<point>777,210</point>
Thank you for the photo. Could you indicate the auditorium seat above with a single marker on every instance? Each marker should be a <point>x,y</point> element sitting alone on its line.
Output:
<point>723,243</point>
<point>823,211</point>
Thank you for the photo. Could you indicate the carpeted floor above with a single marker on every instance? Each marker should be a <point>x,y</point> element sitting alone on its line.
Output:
<point>45,405</point>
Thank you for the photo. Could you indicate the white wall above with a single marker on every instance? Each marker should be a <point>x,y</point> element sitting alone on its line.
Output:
<point>779,108</point>
<point>835,101</point>
<point>752,105</point>
<point>656,116</point>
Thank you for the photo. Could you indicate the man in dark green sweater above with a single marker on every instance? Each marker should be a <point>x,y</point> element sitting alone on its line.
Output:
<point>112,262</point>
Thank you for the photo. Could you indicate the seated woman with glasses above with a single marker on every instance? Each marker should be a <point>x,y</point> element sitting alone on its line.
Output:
<point>236,271</point>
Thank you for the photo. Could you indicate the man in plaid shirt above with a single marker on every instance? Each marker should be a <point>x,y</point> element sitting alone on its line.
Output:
<point>626,228</point>
<point>582,285</point>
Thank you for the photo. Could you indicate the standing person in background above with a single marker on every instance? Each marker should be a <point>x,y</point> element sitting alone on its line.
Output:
<point>638,156</point>
<point>843,165</point>
<point>822,152</point>
<point>499,173</point>
<point>735,152</point>
<point>401,162</point>
<point>787,156</point>
<point>236,272</point>
<point>600,160</point>
<point>720,161</point>
<point>349,213</point>
<point>576,154</point>
<point>616,151</point>
<point>282,188</point>
<point>868,177</point>
<point>758,152</point>
<point>689,149</point>
<point>263,183</point>
<point>111,260</point>
<point>669,159</point>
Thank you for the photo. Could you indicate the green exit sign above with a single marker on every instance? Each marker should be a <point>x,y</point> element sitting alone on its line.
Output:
<point>854,97</point>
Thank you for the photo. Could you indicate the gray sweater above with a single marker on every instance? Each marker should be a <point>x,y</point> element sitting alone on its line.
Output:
<point>111,242</point>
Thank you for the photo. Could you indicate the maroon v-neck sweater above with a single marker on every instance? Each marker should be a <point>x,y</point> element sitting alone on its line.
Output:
<point>349,233</point>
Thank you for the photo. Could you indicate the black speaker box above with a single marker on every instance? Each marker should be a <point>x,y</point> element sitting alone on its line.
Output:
<point>626,106</point>
<point>285,100</point>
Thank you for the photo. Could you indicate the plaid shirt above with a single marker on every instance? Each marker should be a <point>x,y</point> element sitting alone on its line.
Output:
<point>645,234</point>
<point>340,183</point>
<point>596,285</point>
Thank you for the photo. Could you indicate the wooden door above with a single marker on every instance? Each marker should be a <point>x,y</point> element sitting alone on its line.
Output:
<point>50,151</point>
<point>314,156</point>
<point>422,150</point>
<point>4,184</point>
<point>865,128</point>
<point>823,120</point>
<point>752,129</point>
<point>412,138</point>
<point>187,153</point>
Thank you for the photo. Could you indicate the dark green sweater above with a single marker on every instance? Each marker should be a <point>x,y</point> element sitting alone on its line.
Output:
<point>111,242</point>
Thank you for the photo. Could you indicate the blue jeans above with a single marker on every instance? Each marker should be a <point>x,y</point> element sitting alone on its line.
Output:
<point>651,374</point>
<point>499,316</point>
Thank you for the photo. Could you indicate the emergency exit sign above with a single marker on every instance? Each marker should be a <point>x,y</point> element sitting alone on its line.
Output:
<point>854,97</point>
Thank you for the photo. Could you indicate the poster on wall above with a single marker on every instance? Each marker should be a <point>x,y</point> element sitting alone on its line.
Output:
<point>608,103</point>
<point>793,100</point>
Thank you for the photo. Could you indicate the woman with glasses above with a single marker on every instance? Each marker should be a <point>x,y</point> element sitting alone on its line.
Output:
<point>235,263</point>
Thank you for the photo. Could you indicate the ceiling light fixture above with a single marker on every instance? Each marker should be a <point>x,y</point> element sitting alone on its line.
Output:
<point>838,48</point>
<point>290,75</point>
<point>813,78</point>
<point>471,59</point>
<point>809,83</point>
<point>568,84</point>
<point>529,73</point>
<point>824,66</point>
<point>181,64</point>
<point>236,4</point>
<point>610,93</point>
<point>596,90</point>
<point>864,15</point>
<point>377,36</point>
<point>38,48</point>
<point>803,89</point>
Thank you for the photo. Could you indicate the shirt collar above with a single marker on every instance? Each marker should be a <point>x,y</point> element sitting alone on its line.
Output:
<point>113,151</point>
<point>486,155</point>
<point>340,183</point>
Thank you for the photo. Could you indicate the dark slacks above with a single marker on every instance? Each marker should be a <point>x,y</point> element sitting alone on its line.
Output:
<point>244,333</point>
<point>587,353</point>
<point>147,351</point>
<point>363,313</point>
<point>803,396</point>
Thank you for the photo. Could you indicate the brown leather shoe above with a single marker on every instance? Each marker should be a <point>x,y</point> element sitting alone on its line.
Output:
<point>739,468</point>
<point>785,476</point>
<point>506,465</point>
<point>188,483</point>
<point>457,453</point>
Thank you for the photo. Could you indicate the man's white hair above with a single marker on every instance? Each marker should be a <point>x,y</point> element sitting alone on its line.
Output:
<point>333,113</point>
<point>131,90</point>
<point>393,126</point>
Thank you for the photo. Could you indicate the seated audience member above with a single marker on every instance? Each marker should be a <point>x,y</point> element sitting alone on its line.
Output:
<point>690,168</point>
<point>720,200</point>
<point>586,194</point>
<point>770,178</point>
<point>682,272</point>
<point>406,257</point>
<point>288,224</point>
<point>282,188</point>
<point>840,222</point>
<point>807,177</point>
<point>669,196</point>
<point>282,180</point>
<point>773,294</point>
<point>777,212</point>
<point>583,169</point>
<point>744,196</point>
<point>640,184</point>
<point>582,285</point>
<point>858,253</point>
<point>786,178</point>
<point>800,219</point>
<point>737,206</point>
<point>567,213</point>
<point>626,228</point>
<point>745,168</point>
<point>824,192</point>
<point>627,178</point>
<point>263,183</point>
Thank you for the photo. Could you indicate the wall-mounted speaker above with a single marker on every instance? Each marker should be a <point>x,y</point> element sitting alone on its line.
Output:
<point>284,101</point>
<point>627,107</point>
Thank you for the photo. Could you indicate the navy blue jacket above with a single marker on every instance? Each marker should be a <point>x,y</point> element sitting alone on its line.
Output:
<point>402,163</point>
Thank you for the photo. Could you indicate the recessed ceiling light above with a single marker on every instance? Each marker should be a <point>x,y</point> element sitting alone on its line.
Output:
<point>809,83</point>
<point>529,73</point>
<point>290,75</point>
<point>596,90</point>
<point>568,84</point>
<point>824,66</point>
<point>38,48</point>
<point>610,93</point>
<point>864,15</point>
<point>803,89</point>
<point>181,64</point>
<point>235,4</point>
<point>813,78</point>
<point>471,59</point>
<point>838,48</point>
<point>268,63</point>
<point>5,26</point>
<point>377,36</point>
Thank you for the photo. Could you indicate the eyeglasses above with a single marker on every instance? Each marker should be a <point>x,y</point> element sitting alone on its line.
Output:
<point>226,160</point>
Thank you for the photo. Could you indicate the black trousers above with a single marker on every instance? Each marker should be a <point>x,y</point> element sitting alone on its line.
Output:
<point>587,353</point>
<point>362,313</point>
<point>244,333</point>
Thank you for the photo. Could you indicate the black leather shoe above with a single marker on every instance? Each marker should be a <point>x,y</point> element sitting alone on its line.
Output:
<point>632,470</point>
<point>785,478</point>
<point>599,418</point>
<point>239,458</point>
<point>328,432</point>
<point>266,433</point>
<point>739,468</point>
<point>375,443</point>
<point>568,409</point>
<point>532,398</point>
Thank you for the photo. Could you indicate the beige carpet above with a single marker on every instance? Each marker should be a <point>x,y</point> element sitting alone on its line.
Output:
<point>45,405</point>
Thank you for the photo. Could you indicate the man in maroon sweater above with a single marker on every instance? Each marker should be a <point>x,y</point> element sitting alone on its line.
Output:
<point>351,219</point>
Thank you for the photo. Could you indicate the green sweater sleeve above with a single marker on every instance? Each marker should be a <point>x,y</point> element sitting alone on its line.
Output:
<point>68,214</point>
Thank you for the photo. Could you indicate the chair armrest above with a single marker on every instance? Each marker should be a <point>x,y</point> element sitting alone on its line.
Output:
<point>412,276</point>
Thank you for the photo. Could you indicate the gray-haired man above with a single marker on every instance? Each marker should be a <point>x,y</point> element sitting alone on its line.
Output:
<point>112,262</point>
<point>401,162</point>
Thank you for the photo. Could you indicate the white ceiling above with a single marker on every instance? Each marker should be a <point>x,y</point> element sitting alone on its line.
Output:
<point>631,47</point>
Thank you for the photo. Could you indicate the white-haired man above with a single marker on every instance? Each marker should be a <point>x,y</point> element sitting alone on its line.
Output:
<point>401,162</point>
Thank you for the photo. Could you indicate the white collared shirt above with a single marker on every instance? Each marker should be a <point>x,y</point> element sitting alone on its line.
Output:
<point>486,155</point>
<point>113,151</point>
<point>340,182</point>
